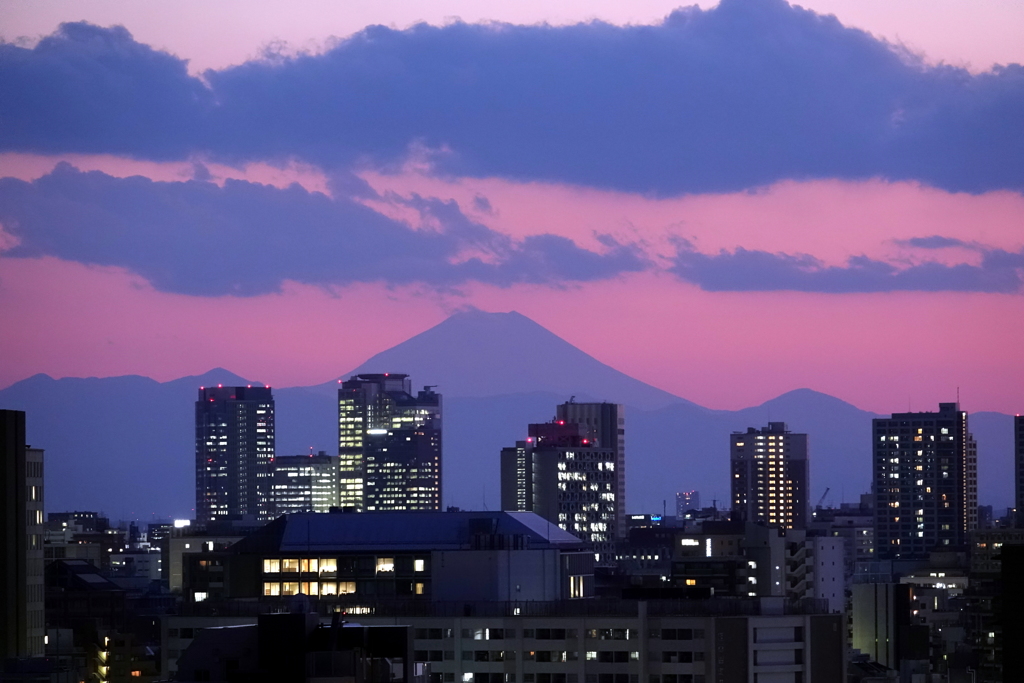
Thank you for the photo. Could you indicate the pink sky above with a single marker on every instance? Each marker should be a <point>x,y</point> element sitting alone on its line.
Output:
<point>216,34</point>
<point>723,350</point>
<point>720,349</point>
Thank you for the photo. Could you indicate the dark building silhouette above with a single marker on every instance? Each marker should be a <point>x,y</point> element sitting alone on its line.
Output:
<point>234,446</point>
<point>1018,468</point>
<point>1011,609</point>
<point>389,444</point>
<point>925,469</point>
<point>22,624</point>
<point>296,648</point>
<point>770,476</point>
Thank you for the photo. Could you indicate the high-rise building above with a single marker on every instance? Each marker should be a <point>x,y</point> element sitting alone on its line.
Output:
<point>304,483</point>
<point>389,444</point>
<point>22,621</point>
<point>606,423</point>
<point>234,446</point>
<point>770,476</point>
<point>564,475</point>
<point>687,500</point>
<point>1018,467</point>
<point>925,469</point>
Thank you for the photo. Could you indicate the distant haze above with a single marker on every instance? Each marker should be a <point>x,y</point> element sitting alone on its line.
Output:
<point>125,445</point>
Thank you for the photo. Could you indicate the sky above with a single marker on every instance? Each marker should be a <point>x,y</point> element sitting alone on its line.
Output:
<point>728,200</point>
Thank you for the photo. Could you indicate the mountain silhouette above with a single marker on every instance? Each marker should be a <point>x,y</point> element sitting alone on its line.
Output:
<point>476,353</point>
<point>125,445</point>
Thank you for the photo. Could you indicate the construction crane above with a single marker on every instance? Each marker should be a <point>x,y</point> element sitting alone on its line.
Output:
<point>822,499</point>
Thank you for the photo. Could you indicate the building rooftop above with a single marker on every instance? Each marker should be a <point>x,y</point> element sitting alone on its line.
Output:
<point>404,531</point>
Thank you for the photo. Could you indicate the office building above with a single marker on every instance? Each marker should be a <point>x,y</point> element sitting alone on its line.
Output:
<point>22,623</point>
<point>389,444</point>
<point>770,476</point>
<point>925,468</point>
<point>1018,468</point>
<point>560,474</point>
<point>304,483</point>
<point>606,426</point>
<point>234,447</point>
<point>588,641</point>
<point>685,501</point>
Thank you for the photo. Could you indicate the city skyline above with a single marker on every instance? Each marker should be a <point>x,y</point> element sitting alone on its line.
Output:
<point>487,410</point>
<point>508,341</point>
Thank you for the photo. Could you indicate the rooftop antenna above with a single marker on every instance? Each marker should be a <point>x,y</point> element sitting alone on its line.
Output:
<point>572,399</point>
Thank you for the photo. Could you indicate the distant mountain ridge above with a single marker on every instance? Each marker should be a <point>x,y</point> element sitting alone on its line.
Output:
<point>125,445</point>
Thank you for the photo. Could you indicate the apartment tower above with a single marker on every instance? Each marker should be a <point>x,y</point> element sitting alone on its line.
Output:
<point>1018,468</point>
<point>925,468</point>
<point>770,476</point>
<point>234,447</point>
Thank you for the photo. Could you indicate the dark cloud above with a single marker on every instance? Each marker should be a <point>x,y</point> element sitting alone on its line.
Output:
<point>935,242</point>
<point>734,97</point>
<point>482,204</point>
<point>743,270</point>
<point>244,238</point>
<point>95,90</point>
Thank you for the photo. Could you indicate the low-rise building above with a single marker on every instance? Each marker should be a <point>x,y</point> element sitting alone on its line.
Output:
<point>596,641</point>
<point>427,556</point>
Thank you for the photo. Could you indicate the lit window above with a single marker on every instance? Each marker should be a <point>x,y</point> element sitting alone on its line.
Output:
<point>271,566</point>
<point>290,565</point>
<point>385,564</point>
<point>419,565</point>
<point>200,596</point>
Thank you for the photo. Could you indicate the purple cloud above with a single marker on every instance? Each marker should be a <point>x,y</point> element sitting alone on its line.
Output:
<point>734,97</point>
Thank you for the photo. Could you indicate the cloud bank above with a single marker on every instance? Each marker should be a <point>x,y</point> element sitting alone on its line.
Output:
<point>742,95</point>
<point>245,238</point>
<point>743,270</point>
